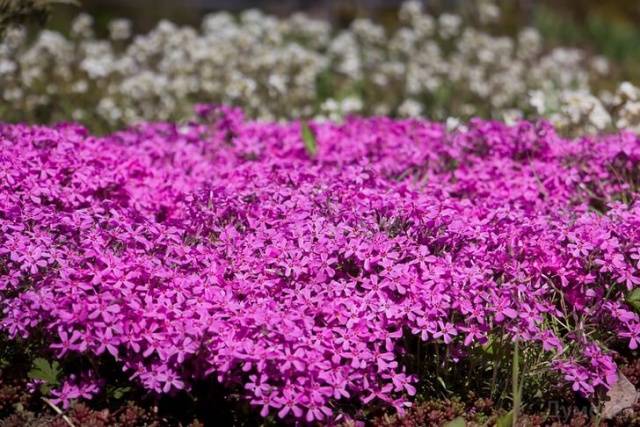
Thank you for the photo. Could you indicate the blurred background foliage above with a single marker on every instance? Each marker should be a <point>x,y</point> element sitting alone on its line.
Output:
<point>610,27</point>
<point>27,11</point>
<point>440,77</point>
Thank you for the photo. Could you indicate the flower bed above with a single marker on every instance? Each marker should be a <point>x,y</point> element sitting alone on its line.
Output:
<point>301,261</point>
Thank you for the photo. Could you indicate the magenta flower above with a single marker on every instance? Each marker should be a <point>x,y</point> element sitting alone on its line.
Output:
<point>68,343</point>
<point>221,251</point>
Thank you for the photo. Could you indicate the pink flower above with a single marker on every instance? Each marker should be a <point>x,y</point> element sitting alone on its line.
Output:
<point>220,250</point>
<point>68,343</point>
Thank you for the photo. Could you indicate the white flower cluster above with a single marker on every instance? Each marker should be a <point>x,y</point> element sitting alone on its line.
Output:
<point>625,107</point>
<point>440,67</point>
<point>579,111</point>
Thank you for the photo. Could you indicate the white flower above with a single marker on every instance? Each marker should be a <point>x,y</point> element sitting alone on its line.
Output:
<point>7,66</point>
<point>537,101</point>
<point>278,82</point>
<point>120,29</point>
<point>78,115</point>
<point>351,104</point>
<point>529,43</point>
<point>82,26</point>
<point>629,91</point>
<point>14,37</point>
<point>449,25</point>
<point>600,118</point>
<point>107,109</point>
<point>511,117</point>
<point>409,10</point>
<point>600,65</point>
<point>579,106</point>
<point>330,105</point>
<point>80,86</point>
<point>452,123</point>
<point>488,11</point>
<point>410,108</point>
<point>424,26</point>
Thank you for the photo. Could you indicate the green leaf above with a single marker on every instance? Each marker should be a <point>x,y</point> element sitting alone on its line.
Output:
<point>119,392</point>
<point>506,420</point>
<point>45,371</point>
<point>489,346</point>
<point>633,299</point>
<point>309,139</point>
<point>456,422</point>
<point>442,383</point>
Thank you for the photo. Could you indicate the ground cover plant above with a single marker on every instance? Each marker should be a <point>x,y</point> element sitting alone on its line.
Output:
<point>316,269</point>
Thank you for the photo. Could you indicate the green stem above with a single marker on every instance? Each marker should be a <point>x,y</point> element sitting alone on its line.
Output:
<point>516,388</point>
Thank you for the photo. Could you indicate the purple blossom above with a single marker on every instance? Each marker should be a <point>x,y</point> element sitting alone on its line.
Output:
<point>224,246</point>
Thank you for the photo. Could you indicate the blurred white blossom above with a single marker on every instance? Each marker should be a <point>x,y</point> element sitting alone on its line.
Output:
<point>120,29</point>
<point>275,68</point>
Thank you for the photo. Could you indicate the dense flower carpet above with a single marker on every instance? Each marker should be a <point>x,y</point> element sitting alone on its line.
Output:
<point>296,261</point>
